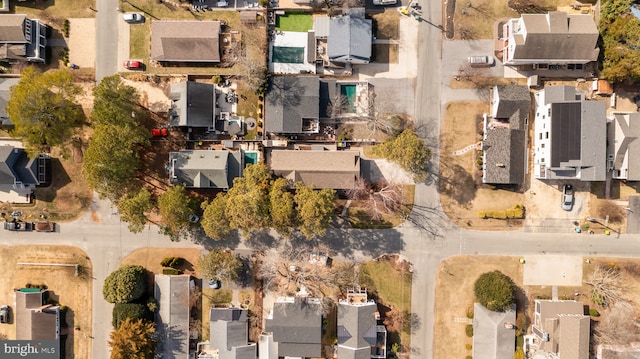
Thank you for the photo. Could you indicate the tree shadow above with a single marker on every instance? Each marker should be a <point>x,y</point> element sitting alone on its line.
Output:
<point>230,241</point>
<point>262,240</point>
<point>371,243</point>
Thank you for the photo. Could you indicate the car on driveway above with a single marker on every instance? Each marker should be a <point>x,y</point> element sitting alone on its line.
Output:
<point>567,197</point>
<point>133,18</point>
<point>481,61</point>
<point>133,65</point>
<point>4,314</point>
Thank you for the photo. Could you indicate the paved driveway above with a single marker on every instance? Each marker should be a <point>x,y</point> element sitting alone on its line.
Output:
<point>455,54</point>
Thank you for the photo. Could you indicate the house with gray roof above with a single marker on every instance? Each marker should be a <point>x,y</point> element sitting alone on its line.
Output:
<point>185,41</point>
<point>22,39</point>
<point>505,136</point>
<point>623,153</point>
<point>359,335</point>
<point>19,174</point>
<point>295,326</point>
<point>229,332</point>
<point>293,105</point>
<point>561,327</point>
<point>570,135</point>
<point>494,334</point>
<point>322,169</point>
<point>555,38</point>
<point>349,39</point>
<point>172,317</point>
<point>36,321</point>
<point>5,94</point>
<point>215,169</point>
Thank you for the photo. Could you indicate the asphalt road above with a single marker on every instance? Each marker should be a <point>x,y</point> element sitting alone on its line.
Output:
<point>106,38</point>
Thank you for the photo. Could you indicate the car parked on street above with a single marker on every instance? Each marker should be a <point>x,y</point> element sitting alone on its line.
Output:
<point>44,226</point>
<point>18,226</point>
<point>133,18</point>
<point>133,65</point>
<point>567,197</point>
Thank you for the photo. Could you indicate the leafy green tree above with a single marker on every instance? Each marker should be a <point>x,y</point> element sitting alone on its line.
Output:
<point>43,110</point>
<point>175,207</point>
<point>409,152</point>
<point>281,207</point>
<point>620,32</point>
<point>220,264</point>
<point>132,209</point>
<point>111,159</point>
<point>494,290</point>
<point>125,284</point>
<point>247,201</point>
<point>214,219</point>
<point>123,311</point>
<point>314,208</point>
<point>135,339</point>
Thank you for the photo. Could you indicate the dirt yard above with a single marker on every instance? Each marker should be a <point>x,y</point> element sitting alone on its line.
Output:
<point>69,290</point>
<point>455,298</point>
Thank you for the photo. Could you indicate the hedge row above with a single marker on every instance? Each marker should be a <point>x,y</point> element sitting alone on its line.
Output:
<point>172,262</point>
<point>515,212</point>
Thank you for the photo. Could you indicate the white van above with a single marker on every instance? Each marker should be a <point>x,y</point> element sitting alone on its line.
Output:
<point>481,61</point>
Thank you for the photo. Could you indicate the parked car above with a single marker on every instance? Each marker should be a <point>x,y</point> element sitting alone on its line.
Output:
<point>567,197</point>
<point>385,2</point>
<point>133,65</point>
<point>133,18</point>
<point>18,226</point>
<point>215,284</point>
<point>481,61</point>
<point>44,226</point>
<point>159,132</point>
<point>4,314</point>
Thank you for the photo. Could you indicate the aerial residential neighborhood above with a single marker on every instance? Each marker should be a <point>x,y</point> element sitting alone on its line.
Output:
<point>351,179</point>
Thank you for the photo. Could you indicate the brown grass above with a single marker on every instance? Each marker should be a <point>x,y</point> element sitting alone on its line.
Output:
<point>150,258</point>
<point>387,25</point>
<point>69,290</point>
<point>461,191</point>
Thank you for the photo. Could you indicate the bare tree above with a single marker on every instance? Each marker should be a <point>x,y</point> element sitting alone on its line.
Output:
<point>618,325</point>
<point>337,106</point>
<point>607,286</point>
<point>379,199</point>
<point>382,114</point>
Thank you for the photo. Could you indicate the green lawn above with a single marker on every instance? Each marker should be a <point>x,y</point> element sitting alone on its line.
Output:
<point>140,41</point>
<point>393,289</point>
<point>294,22</point>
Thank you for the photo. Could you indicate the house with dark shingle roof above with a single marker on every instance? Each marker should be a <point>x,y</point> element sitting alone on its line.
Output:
<point>494,334</point>
<point>623,153</point>
<point>322,169</point>
<point>172,317</point>
<point>554,38</point>
<point>293,105</point>
<point>228,335</point>
<point>22,39</point>
<point>193,104</point>
<point>37,321</point>
<point>214,169</point>
<point>562,328</point>
<point>505,133</point>
<point>295,327</point>
<point>570,135</point>
<point>349,39</point>
<point>359,335</point>
<point>185,41</point>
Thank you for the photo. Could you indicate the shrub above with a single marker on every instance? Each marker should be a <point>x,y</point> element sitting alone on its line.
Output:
<point>516,212</point>
<point>122,311</point>
<point>494,290</point>
<point>125,284</point>
<point>216,79</point>
<point>170,271</point>
<point>468,346</point>
<point>66,26</point>
<point>470,313</point>
<point>469,330</point>
<point>468,357</point>
<point>594,313</point>
<point>172,262</point>
<point>152,304</point>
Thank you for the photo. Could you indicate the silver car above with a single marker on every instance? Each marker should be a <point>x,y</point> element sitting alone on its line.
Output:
<point>567,197</point>
<point>133,18</point>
